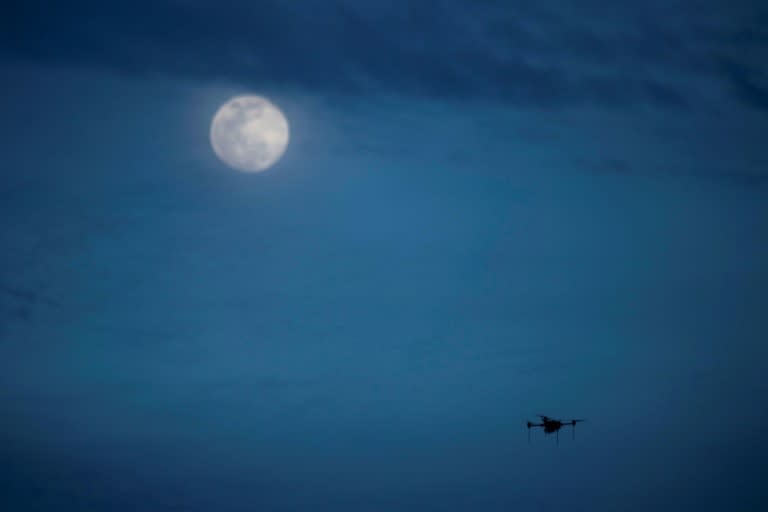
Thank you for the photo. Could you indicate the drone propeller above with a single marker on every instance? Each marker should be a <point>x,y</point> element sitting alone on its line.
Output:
<point>573,430</point>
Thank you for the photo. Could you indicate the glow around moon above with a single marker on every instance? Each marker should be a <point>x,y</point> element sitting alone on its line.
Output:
<point>249,133</point>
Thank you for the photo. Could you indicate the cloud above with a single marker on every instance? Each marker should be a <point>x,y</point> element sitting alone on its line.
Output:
<point>556,55</point>
<point>747,84</point>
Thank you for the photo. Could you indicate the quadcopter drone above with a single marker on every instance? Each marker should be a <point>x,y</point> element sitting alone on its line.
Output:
<point>552,426</point>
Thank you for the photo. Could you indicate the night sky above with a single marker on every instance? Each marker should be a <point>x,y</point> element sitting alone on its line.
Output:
<point>487,210</point>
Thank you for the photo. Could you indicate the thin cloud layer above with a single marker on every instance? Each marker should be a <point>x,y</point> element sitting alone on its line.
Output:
<point>567,53</point>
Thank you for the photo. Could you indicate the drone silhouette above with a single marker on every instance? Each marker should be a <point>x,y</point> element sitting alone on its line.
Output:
<point>553,426</point>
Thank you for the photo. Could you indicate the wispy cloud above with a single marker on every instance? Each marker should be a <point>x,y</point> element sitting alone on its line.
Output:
<point>550,56</point>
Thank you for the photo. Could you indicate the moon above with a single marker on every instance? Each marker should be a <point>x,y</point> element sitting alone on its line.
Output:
<point>249,133</point>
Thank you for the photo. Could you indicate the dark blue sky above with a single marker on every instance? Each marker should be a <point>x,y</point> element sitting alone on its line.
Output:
<point>488,210</point>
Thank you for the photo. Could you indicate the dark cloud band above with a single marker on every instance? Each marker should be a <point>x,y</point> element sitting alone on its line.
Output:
<point>563,54</point>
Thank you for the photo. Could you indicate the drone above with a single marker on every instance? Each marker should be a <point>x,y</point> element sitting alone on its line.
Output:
<point>551,425</point>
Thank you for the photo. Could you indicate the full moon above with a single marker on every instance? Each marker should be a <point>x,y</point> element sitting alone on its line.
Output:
<point>249,133</point>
